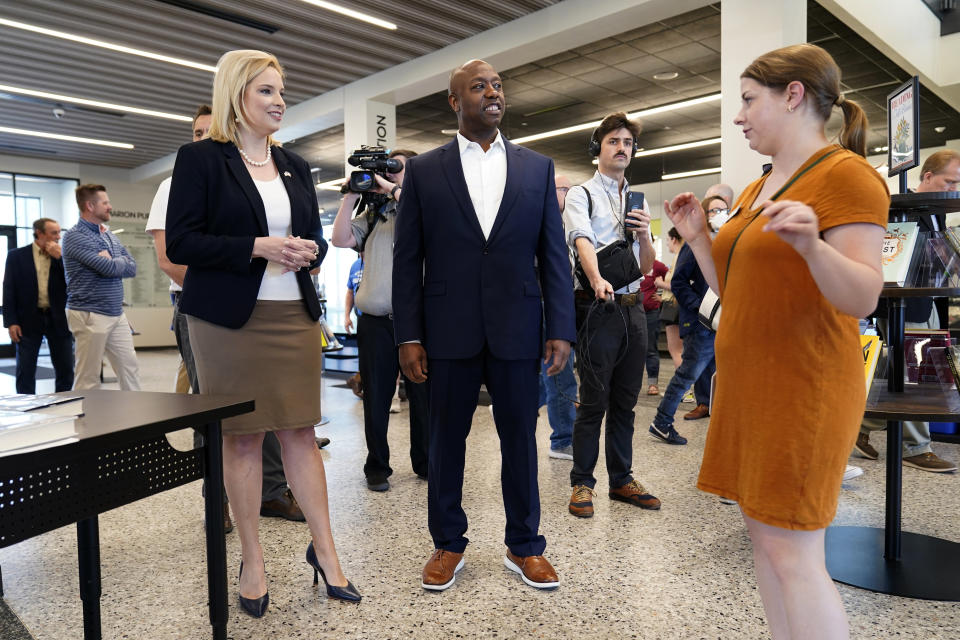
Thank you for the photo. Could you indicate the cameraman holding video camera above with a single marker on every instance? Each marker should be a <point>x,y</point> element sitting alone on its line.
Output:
<point>371,231</point>
<point>611,324</point>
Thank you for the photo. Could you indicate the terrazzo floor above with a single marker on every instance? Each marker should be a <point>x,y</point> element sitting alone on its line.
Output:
<point>682,572</point>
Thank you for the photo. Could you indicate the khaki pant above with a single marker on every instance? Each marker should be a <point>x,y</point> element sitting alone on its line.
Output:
<point>96,335</point>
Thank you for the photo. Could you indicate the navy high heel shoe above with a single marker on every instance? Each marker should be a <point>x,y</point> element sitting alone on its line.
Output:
<point>256,607</point>
<point>348,593</point>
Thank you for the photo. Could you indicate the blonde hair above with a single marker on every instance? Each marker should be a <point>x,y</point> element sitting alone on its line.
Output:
<point>235,70</point>
<point>818,72</point>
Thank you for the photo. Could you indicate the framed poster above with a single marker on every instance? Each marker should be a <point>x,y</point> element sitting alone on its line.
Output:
<point>903,120</point>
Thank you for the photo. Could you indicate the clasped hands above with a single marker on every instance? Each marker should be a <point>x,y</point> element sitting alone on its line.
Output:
<point>292,253</point>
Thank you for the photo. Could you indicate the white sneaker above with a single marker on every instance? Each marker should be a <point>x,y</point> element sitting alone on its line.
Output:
<point>688,397</point>
<point>563,453</point>
<point>852,472</point>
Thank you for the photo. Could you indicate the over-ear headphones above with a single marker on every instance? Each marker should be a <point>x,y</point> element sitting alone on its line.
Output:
<point>593,147</point>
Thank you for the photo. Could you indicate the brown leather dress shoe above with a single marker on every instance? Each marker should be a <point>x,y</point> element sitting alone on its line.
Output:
<point>356,385</point>
<point>634,493</point>
<point>536,571</point>
<point>227,522</point>
<point>441,570</point>
<point>700,411</point>
<point>283,507</point>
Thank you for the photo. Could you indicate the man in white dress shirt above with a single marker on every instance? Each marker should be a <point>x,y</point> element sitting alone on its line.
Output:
<point>475,215</point>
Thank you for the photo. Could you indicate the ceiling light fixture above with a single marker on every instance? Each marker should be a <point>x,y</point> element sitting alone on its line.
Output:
<point>332,185</point>
<point>879,149</point>
<point>93,103</point>
<point>666,75</point>
<point>940,129</point>
<point>106,45</point>
<point>58,136</point>
<point>689,174</point>
<point>636,114</point>
<point>350,13</point>
<point>677,147</point>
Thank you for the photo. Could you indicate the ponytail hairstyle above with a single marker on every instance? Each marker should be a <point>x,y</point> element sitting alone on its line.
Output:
<point>816,70</point>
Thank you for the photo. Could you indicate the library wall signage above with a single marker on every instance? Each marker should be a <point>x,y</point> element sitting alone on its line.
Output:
<point>903,120</point>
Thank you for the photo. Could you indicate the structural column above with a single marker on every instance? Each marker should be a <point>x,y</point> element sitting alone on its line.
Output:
<point>749,28</point>
<point>367,122</point>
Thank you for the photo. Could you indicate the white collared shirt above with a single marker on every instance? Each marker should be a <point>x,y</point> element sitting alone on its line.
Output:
<point>486,175</point>
<point>605,226</point>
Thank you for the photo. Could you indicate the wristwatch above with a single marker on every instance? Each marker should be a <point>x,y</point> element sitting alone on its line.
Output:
<point>393,192</point>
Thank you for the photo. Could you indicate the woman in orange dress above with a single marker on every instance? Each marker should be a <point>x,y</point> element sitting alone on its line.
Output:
<point>796,265</point>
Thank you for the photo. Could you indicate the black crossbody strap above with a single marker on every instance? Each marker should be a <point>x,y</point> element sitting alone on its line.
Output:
<point>773,197</point>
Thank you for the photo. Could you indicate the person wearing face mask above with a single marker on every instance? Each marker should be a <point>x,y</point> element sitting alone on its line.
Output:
<point>243,218</point>
<point>372,232</point>
<point>795,266</point>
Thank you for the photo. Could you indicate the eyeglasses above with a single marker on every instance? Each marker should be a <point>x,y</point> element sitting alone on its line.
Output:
<point>564,189</point>
<point>716,210</point>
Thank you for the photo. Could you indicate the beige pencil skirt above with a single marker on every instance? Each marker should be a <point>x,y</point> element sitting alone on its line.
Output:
<point>273,358</point>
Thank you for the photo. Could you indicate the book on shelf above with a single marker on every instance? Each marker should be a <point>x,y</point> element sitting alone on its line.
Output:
<point>870,345</point>
<point>899,244</point>
<point>49,403</point>
<point>20,429</point>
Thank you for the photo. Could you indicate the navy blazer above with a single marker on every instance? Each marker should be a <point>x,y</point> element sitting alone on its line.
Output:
<point>688,286</point>
<point>453,289</point>
<point>20,292</point>
<point>214,214</point>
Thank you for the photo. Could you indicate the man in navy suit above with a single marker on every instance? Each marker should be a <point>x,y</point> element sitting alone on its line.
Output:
<point>476,215</point>
<point>34,299</point>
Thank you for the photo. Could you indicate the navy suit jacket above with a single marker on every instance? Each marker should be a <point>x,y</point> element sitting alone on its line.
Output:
<point>453,289</point>
<point>688,286</point>
<point>214,214</point>
<point>20,292</point>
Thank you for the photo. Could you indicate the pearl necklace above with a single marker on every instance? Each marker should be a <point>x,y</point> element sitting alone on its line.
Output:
<point>254,162</point>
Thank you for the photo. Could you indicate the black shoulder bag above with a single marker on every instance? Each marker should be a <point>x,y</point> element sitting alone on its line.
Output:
<point>616,262</point>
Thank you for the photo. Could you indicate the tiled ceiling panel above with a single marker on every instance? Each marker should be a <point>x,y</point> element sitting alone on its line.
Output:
<point>320,50</point>
<point>616,73</point>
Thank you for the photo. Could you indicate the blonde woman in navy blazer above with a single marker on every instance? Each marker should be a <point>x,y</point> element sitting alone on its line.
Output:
<point>243,216</point>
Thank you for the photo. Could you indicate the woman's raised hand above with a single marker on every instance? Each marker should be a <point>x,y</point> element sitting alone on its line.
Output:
<point>687,215</point>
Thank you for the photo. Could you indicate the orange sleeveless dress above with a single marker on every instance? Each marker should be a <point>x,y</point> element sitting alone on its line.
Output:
<point>790,393</point>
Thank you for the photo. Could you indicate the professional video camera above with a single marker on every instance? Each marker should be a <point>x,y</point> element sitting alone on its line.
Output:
<point>371,160</point>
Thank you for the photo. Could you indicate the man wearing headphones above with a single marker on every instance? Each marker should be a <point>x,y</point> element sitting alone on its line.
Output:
<point>611,325</point>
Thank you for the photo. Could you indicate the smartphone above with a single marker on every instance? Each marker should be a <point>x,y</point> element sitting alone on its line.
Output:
<point>634,201</point>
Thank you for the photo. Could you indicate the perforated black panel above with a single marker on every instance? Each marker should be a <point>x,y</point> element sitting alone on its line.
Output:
<point>69,490</point>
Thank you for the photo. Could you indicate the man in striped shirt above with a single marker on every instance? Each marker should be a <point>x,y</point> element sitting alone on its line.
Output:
<point>95,264</point>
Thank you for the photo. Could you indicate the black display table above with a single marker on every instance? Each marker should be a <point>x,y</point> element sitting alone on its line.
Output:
<point>888,560</point>
<point>121,455</point>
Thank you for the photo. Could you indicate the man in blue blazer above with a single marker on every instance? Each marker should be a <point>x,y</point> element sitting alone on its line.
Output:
<point>477,215</point>
<point>34,303</point>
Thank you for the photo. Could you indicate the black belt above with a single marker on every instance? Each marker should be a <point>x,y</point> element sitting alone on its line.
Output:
<point>43,310</point>
<point>622,299</point>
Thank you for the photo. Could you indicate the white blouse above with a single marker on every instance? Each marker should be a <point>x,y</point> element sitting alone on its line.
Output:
<point>275,284</point>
